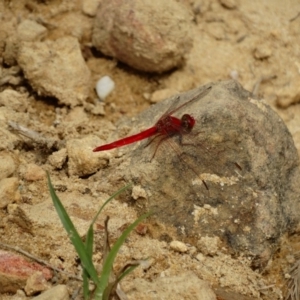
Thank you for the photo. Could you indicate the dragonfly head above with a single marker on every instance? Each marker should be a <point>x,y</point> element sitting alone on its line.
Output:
<point>187,123</point>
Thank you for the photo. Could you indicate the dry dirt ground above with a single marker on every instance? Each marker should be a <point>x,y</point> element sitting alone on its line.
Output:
<point>254,42</point>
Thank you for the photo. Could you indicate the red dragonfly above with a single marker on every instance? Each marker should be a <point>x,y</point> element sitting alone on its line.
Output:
<point>166,126</point>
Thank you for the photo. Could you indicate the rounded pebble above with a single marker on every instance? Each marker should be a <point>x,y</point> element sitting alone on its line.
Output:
<point>7,165</point>
<point>32,172</point>
<point>9,192</point>
<point>151,36</point>
<point>104,87</point>
<point>178,246</point>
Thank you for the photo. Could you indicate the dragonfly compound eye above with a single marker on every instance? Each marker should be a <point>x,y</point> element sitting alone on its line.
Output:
<point>187,123</point>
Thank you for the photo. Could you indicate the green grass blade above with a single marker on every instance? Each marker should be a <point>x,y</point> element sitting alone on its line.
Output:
<point>80,248</point>
<point>89,243</point>
<point>112,285</point>
<point>127,271</point>
<point>108,263</point>
<point>86,289</point>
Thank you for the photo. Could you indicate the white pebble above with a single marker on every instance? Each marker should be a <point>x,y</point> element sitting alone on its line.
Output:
<point>178,246</point>
<point>104,87</point>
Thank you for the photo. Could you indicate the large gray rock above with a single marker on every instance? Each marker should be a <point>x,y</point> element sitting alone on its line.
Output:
<point>244,153</point>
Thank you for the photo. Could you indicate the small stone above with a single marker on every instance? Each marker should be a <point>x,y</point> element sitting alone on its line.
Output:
<point>208,245</point>
<point>58,158</point>
<point>290,259</point>
<point>104,87</point>
<point>18,216</point>
<point>8,139</point>
<point>57,69</point>
<point>36,283</point>
<point>9,192</point>
<point>288,95</point>
<point>192,250</point>
<point>138,193</point>
<point>32,172</point>
<point>11,50</point>
<point>82,160</point>
<point>200,257</point>
<point>29,30</point>
<point>89,7</point>
<point>7,165</point>
<point>59,292</point>
<point>178,246</point>
<point>96,109</point>
<point>262,51</point>
<point>141,229</point>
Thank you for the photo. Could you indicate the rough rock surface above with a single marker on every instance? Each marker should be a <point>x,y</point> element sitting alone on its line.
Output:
<point>243,151</point>
<point>9,192</point>
<point>56,68</point>
<point>81,161</point>
<point>185,286</point>
<point>151,36</point>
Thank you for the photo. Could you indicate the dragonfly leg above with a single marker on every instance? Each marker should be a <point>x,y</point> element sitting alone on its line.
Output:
<point>158,144</point>
<point>205,184</point>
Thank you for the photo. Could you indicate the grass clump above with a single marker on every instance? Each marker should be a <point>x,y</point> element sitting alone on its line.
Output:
<point>106,282</point>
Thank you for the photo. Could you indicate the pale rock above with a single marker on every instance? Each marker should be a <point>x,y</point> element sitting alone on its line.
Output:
<point>58,158</point>
<point>208,245</point>
<point>7,165</point>
<point>59,292</point>
<point>178,246</point>
<point>36,283</point>
<point>262,51</point>
<point>82,160</point>
<point>155,38</point>
<point>11,50</point>
<point>32,172</point>
<point>200,257</point>
<point>138,193</point>
<point>96,109</point>
<point>29,30</point>
<point>9,192</point>
<point>56,69</point>
<point>17,215</point>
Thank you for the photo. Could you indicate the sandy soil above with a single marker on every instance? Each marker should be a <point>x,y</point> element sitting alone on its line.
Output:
<point>254,42</point>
